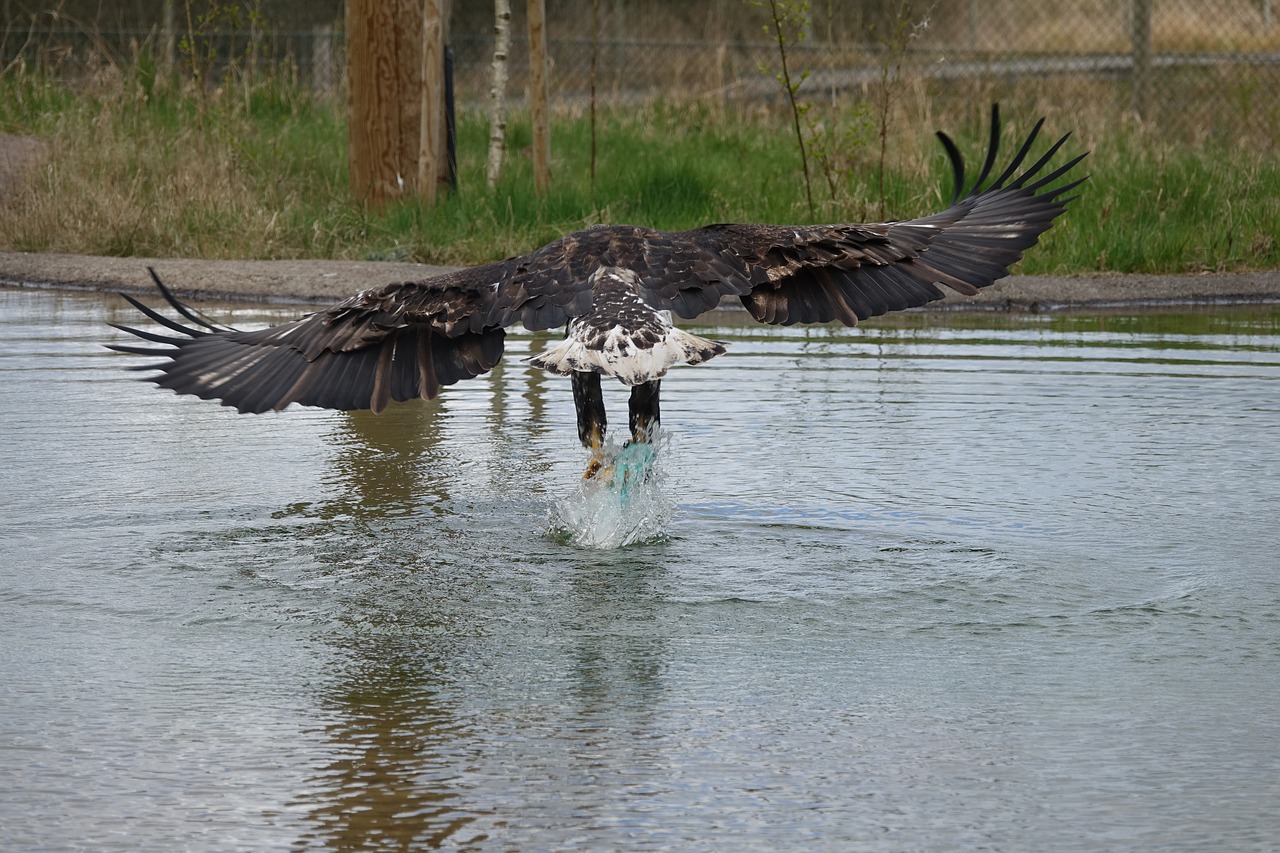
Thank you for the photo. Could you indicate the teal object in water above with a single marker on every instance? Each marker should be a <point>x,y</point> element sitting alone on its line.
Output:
<point>621,503</point>
<point>632,465</point>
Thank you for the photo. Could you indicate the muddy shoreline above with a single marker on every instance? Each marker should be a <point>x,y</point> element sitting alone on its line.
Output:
<point>322,282</point>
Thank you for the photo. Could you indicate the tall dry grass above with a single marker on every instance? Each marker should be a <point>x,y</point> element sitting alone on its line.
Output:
<point>1104,26</point>
<point>136,168</point>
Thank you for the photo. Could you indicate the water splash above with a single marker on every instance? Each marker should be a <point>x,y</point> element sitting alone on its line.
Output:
<point>622,505</point>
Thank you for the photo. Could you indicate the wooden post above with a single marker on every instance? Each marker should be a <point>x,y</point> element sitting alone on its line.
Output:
<point>396,83</point>
<point>407,41</point>
<point>374,106</point>
<point>538,95</point>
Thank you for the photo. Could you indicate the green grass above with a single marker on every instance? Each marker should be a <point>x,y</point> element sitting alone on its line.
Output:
<point>1175,211</point>
<point>136,168</point>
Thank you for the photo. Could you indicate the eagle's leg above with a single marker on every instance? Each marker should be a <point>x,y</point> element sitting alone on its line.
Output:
<point>592,422</point>
<point>644,414</point>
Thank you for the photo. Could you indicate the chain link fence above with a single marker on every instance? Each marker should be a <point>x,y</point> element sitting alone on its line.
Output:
<point>1194,68</point>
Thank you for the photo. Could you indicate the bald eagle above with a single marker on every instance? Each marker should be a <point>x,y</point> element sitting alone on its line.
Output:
<point>614,289</point>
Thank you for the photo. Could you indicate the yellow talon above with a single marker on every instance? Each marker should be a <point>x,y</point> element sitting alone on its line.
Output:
<point>596,467</point>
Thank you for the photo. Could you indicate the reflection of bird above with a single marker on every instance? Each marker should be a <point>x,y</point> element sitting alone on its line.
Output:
<point>614,289</point>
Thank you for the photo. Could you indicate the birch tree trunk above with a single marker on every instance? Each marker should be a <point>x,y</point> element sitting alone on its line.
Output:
<point>498,91</point>
<point>538,95</point>
<point>432,141</point>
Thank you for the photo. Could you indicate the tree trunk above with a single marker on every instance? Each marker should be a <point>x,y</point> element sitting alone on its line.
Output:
<point>433,156</point>
<point>498,91</point>
<point>538,95</point>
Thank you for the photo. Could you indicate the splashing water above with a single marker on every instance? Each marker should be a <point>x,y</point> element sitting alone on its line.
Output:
<point>622,505</point>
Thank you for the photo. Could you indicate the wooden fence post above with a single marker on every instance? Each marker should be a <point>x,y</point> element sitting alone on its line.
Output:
<point>374,126</point>
<point>396,81</point>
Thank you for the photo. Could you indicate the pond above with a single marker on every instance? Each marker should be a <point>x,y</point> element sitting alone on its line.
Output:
<point>939,582</point>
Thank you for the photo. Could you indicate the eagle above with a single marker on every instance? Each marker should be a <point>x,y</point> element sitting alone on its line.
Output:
<point>614,289</point>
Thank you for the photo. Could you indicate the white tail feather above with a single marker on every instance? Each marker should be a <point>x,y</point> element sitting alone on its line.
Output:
<point>620,357</point>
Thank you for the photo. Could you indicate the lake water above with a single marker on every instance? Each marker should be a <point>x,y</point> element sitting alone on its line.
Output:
<point>938,583</point>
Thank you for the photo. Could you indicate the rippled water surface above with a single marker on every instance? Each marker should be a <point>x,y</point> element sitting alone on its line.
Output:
<point>990,583</point>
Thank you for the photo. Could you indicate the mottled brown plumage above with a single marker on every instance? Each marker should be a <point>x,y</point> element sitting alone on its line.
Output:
<point>407,340</point>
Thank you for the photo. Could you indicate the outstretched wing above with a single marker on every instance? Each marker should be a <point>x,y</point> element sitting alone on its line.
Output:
<point>391,343</point>
<point>820,273</point>
<point>409,339</point>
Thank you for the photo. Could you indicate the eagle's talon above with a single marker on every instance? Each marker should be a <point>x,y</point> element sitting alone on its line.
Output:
<point>597,468</point>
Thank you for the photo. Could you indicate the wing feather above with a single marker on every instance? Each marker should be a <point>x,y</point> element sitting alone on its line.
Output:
<point>393,343</point>
<point>895,265</point>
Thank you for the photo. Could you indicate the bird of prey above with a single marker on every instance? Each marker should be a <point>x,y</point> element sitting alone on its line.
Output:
<point>614,289</point>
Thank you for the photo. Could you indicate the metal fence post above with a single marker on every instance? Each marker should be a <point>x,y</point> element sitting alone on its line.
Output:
<point>1141,36</point>
<point>168,39</point>
<point>323,74</point>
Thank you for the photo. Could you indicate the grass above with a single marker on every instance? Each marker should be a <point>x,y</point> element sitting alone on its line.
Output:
<point>138,168</point>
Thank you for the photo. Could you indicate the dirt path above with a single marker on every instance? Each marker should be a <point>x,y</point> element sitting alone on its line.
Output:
<point>274,281</point>
<point>329,281</point>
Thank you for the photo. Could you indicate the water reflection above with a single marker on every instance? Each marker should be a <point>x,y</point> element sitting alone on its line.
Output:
<point>425,621</point>
<point>385,784</point>
<point>435,700</point>
<point>621,667</point>
<point>927,577</point>
<point>416,455</point>
<point>390,464</point>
